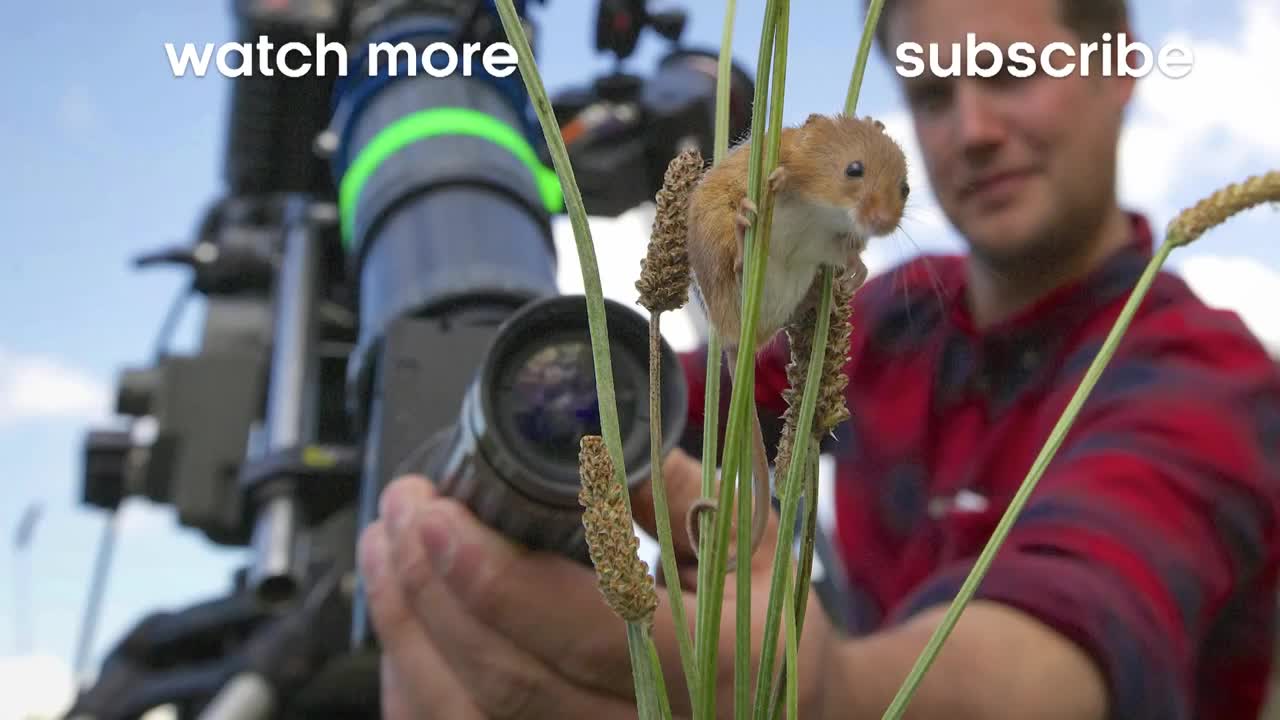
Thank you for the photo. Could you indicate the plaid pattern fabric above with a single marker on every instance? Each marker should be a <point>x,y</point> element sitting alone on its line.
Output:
<point>1151,540</point>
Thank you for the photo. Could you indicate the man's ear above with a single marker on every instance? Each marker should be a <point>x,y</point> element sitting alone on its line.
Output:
<point>1124,90</point>
<point>1122,85</point>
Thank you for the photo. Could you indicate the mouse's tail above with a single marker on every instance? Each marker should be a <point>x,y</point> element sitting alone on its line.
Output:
<point>762,490</point>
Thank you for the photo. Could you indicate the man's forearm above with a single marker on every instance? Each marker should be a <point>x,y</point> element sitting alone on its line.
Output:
<point>997,663</point>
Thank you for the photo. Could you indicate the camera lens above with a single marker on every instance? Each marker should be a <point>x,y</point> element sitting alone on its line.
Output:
<point>513,455</point>
<point>536,397</point>
<point>547,401</point>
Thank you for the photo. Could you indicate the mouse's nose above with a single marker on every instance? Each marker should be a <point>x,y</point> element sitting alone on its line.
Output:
<point>886,223</point>
<point>880,217</point>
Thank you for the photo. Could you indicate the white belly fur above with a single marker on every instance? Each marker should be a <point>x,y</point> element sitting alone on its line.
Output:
<point>800,240</point>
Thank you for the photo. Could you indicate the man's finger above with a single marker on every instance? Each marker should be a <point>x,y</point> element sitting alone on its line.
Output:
<point>547,605</point>
<point>397,698</point>
<point>506,680</point>
<point>419,683</point>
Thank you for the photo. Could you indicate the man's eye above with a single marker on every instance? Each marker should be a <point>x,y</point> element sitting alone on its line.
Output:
<point>1013,71</point>
<point>931,97</point>
<point>1007,75</point>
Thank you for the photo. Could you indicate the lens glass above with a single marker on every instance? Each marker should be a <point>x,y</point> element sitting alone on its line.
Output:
<point>551,403</point>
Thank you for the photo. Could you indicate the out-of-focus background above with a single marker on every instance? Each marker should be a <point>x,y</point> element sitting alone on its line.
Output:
<point>106,155</point>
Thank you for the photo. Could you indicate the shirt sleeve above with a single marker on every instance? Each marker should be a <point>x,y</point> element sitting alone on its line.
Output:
<point>1154,523</point>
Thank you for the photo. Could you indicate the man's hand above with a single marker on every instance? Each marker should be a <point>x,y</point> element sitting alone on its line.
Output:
<point>473,626</point>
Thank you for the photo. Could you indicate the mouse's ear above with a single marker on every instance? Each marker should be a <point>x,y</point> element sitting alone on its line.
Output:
<point>813,118</point>
<point>879,125</point>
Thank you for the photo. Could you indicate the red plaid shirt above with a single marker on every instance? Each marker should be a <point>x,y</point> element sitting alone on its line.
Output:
<point>1152,538</point>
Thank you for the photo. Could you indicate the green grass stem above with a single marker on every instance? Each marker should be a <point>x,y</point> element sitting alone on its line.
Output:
<point>864,50</point>
<point>742,635</point>
<point>802,436</point>
<point>647,691</point>
<point>804,571</point>
<point>711,592</point>
<point>779,583</point>
<point>662,512</point>
<point>793,653</point>
<point>711,399</point>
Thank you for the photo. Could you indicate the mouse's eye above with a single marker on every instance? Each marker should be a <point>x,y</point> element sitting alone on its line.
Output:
<point>906,189</point>
<point>854,169</point>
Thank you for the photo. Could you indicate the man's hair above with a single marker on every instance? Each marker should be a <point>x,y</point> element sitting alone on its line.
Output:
<point>1088,18</point>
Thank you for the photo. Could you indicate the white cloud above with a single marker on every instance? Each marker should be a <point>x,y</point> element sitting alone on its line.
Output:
<point>1242,284</point>
<point>35,686</point>
<point>1147,169</point>
<point>1213,126</point>
<point>36,387</point>
<point>1231,86</point>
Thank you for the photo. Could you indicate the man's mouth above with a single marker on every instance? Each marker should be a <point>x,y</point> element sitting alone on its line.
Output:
<point>994,186</point>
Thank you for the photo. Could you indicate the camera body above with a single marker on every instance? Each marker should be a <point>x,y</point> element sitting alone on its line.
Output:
<point>289,144</point>
<point>623,125</point>
<point>381,299</point>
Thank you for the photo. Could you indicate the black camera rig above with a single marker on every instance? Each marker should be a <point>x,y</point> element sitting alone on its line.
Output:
<point>380,287</point>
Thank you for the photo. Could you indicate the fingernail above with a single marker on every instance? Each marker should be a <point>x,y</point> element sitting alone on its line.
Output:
<point>439,539</point>
<point>399,508</point>
<point>372,557</point>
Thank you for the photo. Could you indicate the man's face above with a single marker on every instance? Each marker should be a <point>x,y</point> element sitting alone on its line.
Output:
<point>1021,166</point>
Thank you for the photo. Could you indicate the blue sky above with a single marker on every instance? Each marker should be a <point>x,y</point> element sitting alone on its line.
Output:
<point>107,155</point>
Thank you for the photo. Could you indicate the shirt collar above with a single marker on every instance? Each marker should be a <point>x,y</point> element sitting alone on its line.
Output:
<point>1067,306</point>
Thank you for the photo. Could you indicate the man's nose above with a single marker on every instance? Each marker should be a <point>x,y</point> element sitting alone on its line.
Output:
<point>978,125</point>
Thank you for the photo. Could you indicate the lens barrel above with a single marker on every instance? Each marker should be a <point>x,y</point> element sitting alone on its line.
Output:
<point>445,209</point>
<point>513,455</point>
<point>442,197</point>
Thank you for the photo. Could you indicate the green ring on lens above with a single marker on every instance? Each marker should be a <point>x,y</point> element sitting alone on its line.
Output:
<point>432,123</point>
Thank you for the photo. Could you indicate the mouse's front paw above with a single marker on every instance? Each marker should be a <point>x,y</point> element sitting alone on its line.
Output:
<point>778,179</point>
<point>858,268</point>
<point>741,223</point>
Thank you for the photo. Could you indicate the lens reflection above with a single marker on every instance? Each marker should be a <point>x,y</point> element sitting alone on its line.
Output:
<point>552,403</point>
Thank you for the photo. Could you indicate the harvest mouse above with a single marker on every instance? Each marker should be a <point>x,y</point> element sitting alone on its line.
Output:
<point>840,181</point>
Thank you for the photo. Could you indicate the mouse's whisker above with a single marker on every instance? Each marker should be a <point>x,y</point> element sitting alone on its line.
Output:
<point>934,280</point>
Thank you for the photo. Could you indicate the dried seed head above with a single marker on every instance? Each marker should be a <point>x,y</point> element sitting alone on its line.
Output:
<point>664,271</point>
<point>623,577</point>
<point>831,408</point>
<point>1216,208</point>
